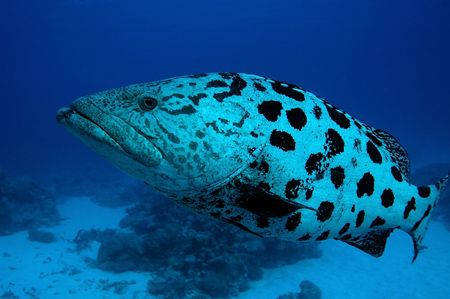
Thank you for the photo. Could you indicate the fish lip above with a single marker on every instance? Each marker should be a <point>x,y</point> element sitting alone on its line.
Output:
<point>77,109</point>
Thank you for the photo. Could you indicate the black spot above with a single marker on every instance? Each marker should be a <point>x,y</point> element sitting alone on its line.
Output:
<point>374,153</point>
<point>270,109</point>
<point>337,176</point>
<point>353,209</point>
<point>282,140</point>
<point>374,139</point>
<point>297,118</point>
<point>357,124</point>
<point>365,185</point>
<point>357,145</point>
<point>314,163</point>
<point>262,222</point>
<point>325,211</point>
<point>334,142</point>
<point>198,76</point>
<point>193,145</point>
<point>216,83</point>
<point>387,198</point>
<point>236,87</point>
<point>424,191</point>
<point>192,84</point>
<point>292,188</point>
<point>305,237</point>
<point>293,221</point>
<point>317,112</point>
<point>411,205</point>
<point>360,218</point>
<point>259,87</point>
<point>254,134</point>
<point>254,164</point>
<point>227,75</point>
<point>346,237</point>
<point>323,236</point>
<point>309,193</point>
<point>425,215</point>
<point>264,186</point>
<point>196,98</point>
<point>288,90</point>
<point>377,222</point>
<point>262,203</point>
<point>264,166</point>
<point>344,229</point>
<point>396,174</point>
<point>338,117</point>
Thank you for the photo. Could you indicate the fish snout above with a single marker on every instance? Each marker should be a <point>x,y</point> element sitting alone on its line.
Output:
<point>63,114</point>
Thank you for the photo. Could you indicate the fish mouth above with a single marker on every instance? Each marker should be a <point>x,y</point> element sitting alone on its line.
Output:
<point>109,135</point>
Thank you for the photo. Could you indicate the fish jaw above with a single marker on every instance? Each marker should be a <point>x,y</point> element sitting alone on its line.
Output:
<point>110,136</point>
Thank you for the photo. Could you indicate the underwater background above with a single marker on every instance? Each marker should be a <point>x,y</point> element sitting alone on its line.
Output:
<point>73,226</point>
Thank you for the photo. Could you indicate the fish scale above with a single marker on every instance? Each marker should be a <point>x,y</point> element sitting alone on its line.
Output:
<point>266,156</point>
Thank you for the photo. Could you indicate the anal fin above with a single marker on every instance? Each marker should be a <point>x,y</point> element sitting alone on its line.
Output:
<point>372,243</point>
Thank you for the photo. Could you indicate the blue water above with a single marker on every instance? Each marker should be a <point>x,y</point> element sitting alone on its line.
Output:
<point>385,62</point>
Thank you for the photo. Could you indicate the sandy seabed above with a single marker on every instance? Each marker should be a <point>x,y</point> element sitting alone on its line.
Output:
<point>37,270</point>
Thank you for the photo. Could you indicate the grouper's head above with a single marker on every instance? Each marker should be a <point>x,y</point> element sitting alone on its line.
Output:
<point>175,135</point>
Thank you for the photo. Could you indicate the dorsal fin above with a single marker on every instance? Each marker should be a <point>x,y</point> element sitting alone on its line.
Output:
<point>372,243</point>
<point>398,152</point>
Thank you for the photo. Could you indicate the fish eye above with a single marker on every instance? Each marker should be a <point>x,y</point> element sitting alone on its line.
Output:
<point>148,103</point>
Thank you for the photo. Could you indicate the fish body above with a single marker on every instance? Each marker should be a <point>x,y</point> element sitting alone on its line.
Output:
<point>266,156</point>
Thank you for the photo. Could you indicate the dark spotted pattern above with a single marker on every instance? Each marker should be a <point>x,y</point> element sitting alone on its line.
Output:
<point>338,117</point>
<point>297,118</point>
<point>424,191</point>
<point>216,83</point>
<point>314,163</point>
<point>334,143</point>
<point>360,218</point>
<point>282,140</point>
<point>374,139</point>
<point>425,215</point>
<point>337,176</point>
<point>236,87</point>
<point>292,188</point>
<point>309,193</point>
<point>387,198</point>
<point>305,237</point>
<point>365,185</point>
<point>353,209</point>
<point>374,153</point>
<point>396,174</point>
<point>323,236</point>
<point>317,112</point>
<point>196,98</point>
<point>288,90</point>
<point>344,229</point>
<point>293,221</point>
<point>411,205</point>
<point>377,222</point>
<point>325,211</point>
<point>270,109</point>
<point>259,87</point>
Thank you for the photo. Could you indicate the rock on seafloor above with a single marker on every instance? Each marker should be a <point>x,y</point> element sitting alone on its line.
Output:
<point>25,204</point>
<point>191,256</point>
<point>308,291</point>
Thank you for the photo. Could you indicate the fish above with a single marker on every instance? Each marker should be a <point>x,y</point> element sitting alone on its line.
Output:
<point>266,156</point>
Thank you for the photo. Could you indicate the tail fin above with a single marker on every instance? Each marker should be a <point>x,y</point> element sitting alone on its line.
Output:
<point>419,228</point>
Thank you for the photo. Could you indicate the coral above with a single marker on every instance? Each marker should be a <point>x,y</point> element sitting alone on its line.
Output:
<point>308,291</point>
<point>41,236</point>
<point>25,205</point>
<point>105,185</point>
<point>192,256</point>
